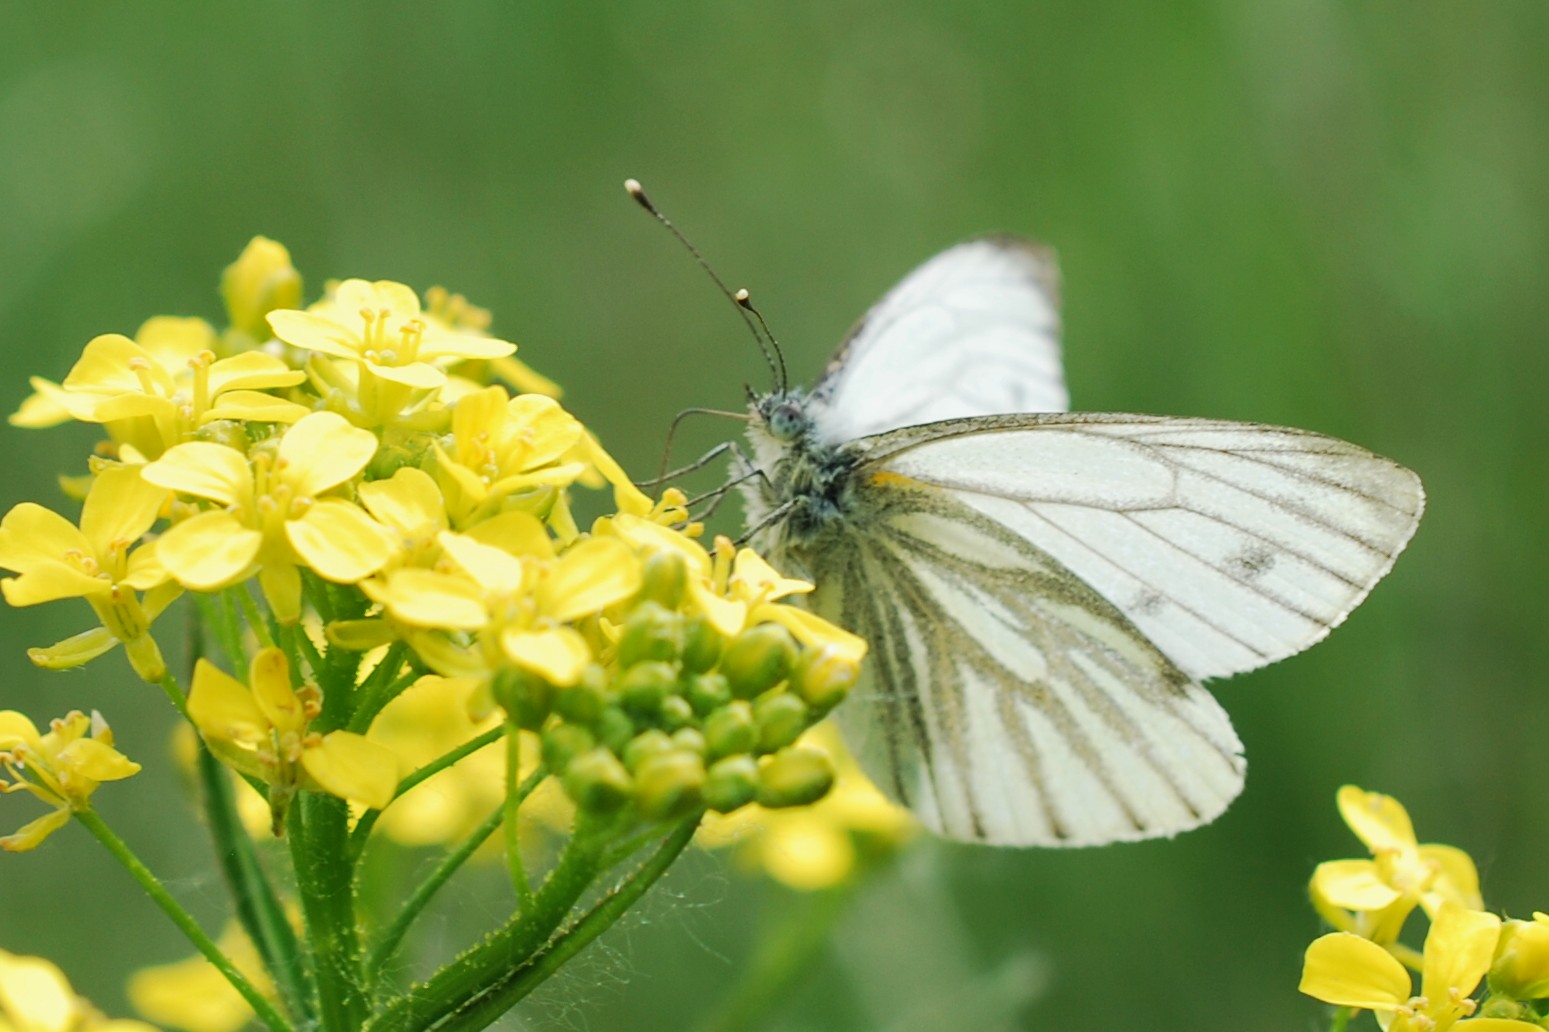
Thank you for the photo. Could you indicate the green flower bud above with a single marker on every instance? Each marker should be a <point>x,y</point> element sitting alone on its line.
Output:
<point>731,784</point>
<point>1521,968</point>
<point>781,718</point>
<point>701,645</point>
<point>669,785</point>
<point>643,746</point>
<point>643,686</point>
<point>730,730</point>
<point>597,781</point>
<point>675,712</point>
<point>823,678</point>
<point>689,739</point>
<point>758,659</point>
<point>706,692</point>
<point>795,777</point>
<point>563,742</point>
<point>584,701</point>
<point>651,633</point>
<point>615,729</point>
<point>526,697</point>
<point>665,579</point>
<point>230,432</point>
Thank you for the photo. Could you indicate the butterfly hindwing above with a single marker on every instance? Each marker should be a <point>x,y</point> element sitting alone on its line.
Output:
<point>973,331</point>
<point>1005,701</point>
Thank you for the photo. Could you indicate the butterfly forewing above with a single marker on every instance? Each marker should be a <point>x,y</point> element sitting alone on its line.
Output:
<point>973,331</point>
<point>1228,545</point>
<point>1007,702</point>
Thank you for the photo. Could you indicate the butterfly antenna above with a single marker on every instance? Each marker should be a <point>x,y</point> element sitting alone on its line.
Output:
<point>777,370</point>
<point>745,302</point>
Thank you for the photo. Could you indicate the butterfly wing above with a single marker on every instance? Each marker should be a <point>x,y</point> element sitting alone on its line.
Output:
<point>1043,594</point>
<point>1006,702</point>
<point>974,331</point>
<point>1228,545</point>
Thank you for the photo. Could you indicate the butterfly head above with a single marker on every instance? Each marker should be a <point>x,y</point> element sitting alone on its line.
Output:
<point>785,415</point>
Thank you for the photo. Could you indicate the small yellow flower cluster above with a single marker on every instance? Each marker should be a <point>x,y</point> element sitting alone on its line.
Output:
<point>1364,966</point>
<point>62,768</point>
<point>35,995</point>
<point>385,501</point>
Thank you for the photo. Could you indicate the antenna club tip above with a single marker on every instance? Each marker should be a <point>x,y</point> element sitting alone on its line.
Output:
<point>635,190</point>
<point>742,298</point>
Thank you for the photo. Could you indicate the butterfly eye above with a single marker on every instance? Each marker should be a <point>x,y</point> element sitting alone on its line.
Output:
<point>786,420</point>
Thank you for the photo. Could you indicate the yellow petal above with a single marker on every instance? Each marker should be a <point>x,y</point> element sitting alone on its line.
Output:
<point>31,534</point>
<point>760,578</point>
<point>558,655</point>
<point>547,430</point>
<point>31,834</point>
<point>108,363</point>
<point>515,533</point>
<point>1379,821</point>
<point>426,598</point>
<point>222,708</point>
<point>120,508</point>
<point>74,651</point>
<point>589,577</point>
<point>338,540</point>
<point>322,451</point>
<point>812,630</point>
<point>726,615</point>
<point>1459,881</point>
<point>353,767</point>
<point>409,501</point>
<point>806,852</point>
<point>259,281</point>
<point>96,760</point>
<point>173,340</point>
<point>16,729</point>
<point>490,567</point>
<point>653,537</point>
<point>268,679</point>
<point>1345,969</point>
<point>627,498</point>
<point>281,583</point>
<point>418,375</point>
<point>1458,951</point>
<point>315,333</point>
<point>1353,885</point>
<point>204,470</point>
<point>209,551</point>
<point>254,407</point>
<point>252,371</point>
<point>48,581</point>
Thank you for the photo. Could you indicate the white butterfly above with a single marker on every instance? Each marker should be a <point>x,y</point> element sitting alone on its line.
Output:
<point>1044,592</point>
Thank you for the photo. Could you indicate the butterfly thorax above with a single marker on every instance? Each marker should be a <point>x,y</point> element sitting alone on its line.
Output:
<point>805,482</point>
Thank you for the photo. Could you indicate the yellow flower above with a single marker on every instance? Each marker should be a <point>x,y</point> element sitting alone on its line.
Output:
<point>1521,968</point>
<point>818,846</point>
<point>193,995</point>
<point>261,280</point>
<point>62,768</point>
<point>262,729</point>
<point>524,607</point>
<point>1347,970</point>
<point>1373,897</point>
<point>379,329</point>
<point>56,560</point>
<point>504,446</point>
<point>272,518</point>
<point>410,505</point>
<point>35,996</point>
<point>156,390</point>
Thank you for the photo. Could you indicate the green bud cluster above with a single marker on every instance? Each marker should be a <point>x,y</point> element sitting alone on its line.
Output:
<point>685,717</point>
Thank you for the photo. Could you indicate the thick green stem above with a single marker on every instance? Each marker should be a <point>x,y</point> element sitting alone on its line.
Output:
<point>184,921</point>
<point>484,1008</point>
<point>174,693</point>
<point>319,837</point>
<point>470,976</point>
<point>258,906</point>
<point>1341,1019</point>
<point>372,694</point>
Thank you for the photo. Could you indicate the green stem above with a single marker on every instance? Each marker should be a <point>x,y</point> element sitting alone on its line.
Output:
<point>185,923</point>
<point>482,1009</point>
<point>368,820</point>
<point>393,935</point>
<point>254,615</point>
<point>513,801</point>
<point>1341,1019</point>
<point>258,906</point>
<point>464,980</point>
<point>383,673</point>
<point>780,959</point>
<point>218,616</point>
<point>174,693</point>
<point>319,838</point>
<point>388,944</point>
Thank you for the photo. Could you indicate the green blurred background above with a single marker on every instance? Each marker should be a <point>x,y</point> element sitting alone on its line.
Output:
<point>1327,214</point>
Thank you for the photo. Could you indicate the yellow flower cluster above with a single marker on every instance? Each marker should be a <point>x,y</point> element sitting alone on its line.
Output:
<point>1364,966</point>
<point>35,996</point>
<point>348,460</point>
